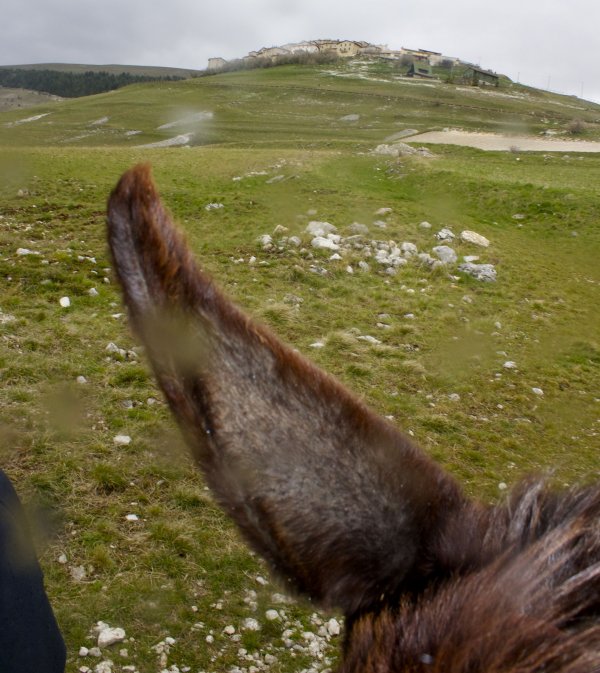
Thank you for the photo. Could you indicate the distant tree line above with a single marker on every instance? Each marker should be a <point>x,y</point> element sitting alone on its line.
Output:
<point>71,84</point>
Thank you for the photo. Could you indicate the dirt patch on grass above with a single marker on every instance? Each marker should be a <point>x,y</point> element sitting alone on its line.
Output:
<point>497,142</point>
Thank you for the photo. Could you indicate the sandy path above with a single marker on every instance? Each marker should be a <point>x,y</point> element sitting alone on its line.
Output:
<point>493,141</point>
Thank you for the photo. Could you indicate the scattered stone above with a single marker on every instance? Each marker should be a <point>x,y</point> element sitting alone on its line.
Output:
<point>409,249</point>
<point>425,225</point>
<point>537,391</point>
<point>214,206</point>
<point>350,118</point>
<point>454,397</point>
<point>121,440</point>
<point>82,380</point>
<point>369,339</point>
<point>83,651</point>
<point>502,486</point>
<point>274,179</point>
<point>483,272</point>
<point>279,229</point>
<point>322,243</point>
<point>132,517</point>
<point>471,258</point>
<point>445,235</point>
<point>65,302</point>
<point>93,292</point>
<point>315,228</point>
<point>22,252</point>
<point>518,216</point>
<point>266,241</point>
<point>251,624</point>
<point>78,573</point>
<point>475,238</point>
<point>509,364</point>
<point>108,636</point>
<point>446,254</point>
<point>383,211</point>
<point>333,627</point>
<point>62,559</point>
<point>272,615</point>
<point>364,266</point>
<point>229,630</point>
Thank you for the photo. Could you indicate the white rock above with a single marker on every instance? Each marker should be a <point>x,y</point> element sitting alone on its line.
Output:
<point>502,486</point>
<point>324,243</point>
<point>349,269</point>
<point>93,292</point>
<point>261,580</point>
<point>251,624</point>
<point>213,206</point>
<point>475,238</point>
<point>65,302</point>
<point>109,636</point>
<point>95,652</point>
<point>83,651</point>
<point>81,379</point>
<point>446,254</point>
<point>383,211</point>
<point>369,339</point>
<point>509,364</point>
<point>471,258</point>
<point>121,440</point>
<point>229,630</point>
<point>483,272</point>
<point>78,573</point>
<point>315,228</point>
<point>537,391</point>
<point>272,615</point>
<point>445,235</point>
<point>408,249</point>
<point>335,257</point>
<point>364,266</point>
<point>425,225</point>
<point>265,240</point>
<point>104,667</point>
<point>350,118</point>
<point>62,559</point>
<point>454,397</point>
<point>22,252</point>
<point>333,627</point>
<point>132,517</point>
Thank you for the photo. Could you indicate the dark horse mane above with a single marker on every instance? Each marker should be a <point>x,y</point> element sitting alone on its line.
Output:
<point>342,505</point>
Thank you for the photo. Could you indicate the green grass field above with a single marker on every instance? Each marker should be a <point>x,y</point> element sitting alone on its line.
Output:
<point>275,152</point>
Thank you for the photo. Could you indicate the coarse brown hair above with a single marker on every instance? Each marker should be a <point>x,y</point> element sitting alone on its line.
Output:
<point>343,506</point>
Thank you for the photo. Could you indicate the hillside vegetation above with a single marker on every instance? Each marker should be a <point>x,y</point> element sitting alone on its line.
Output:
<point>128,532</point>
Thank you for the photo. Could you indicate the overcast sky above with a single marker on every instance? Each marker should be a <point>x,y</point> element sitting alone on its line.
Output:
<point>544,43</point>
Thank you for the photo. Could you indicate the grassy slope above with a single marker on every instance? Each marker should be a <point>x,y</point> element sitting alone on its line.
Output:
<point>147,575</point>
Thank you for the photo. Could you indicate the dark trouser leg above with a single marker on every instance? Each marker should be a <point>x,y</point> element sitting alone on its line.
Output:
<point>30,641</point>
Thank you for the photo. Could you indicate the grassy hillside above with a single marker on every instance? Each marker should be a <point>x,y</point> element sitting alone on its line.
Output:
<point>292,105</point>
<point>276,151</point>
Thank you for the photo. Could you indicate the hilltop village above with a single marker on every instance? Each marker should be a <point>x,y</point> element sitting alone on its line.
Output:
<point>344,49</point>
<point>419,63</point>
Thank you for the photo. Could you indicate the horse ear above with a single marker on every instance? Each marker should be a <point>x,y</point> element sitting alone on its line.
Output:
<point>339,503</point>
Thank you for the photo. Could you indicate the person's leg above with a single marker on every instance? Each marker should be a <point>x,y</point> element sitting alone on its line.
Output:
<point>30,640</point>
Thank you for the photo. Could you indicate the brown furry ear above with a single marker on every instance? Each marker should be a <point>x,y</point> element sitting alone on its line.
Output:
<point>339,503</point>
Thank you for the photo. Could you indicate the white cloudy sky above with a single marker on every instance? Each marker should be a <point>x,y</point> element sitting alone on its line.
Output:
<point>543,43</point>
